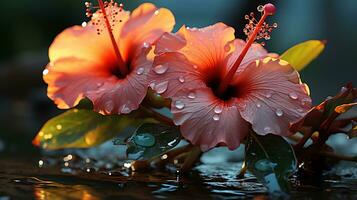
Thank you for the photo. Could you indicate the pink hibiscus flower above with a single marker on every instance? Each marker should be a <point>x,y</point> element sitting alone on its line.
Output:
<point>221,86</point>
<point>107,59</point>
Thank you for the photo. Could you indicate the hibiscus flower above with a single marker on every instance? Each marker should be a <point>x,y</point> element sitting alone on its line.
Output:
<point>222,87</point>
<point>107,59</point>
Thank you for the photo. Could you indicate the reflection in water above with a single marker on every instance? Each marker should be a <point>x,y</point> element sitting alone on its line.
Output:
<point>26,180</point>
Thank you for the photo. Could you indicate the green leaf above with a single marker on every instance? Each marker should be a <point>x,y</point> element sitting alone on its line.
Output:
<point>271,159</point>
<point>300,55</point>
<point>80,128</point>
<point>152,139</point>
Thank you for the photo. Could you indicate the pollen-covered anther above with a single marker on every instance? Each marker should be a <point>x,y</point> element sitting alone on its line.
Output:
<point>265,29</point>
<point>98,18</point>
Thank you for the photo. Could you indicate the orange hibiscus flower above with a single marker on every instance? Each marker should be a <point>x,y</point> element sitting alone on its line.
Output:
<point>107,59</point>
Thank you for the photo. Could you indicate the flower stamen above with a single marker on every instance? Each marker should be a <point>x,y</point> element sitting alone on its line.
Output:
<point>255,31</point>
<point>102,6</point>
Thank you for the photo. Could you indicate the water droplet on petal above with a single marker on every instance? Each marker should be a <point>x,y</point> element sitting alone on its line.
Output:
<point>279,112</point>
<point>99,84</point>
<point>267,129</point>
<point>179,104</point>
<point>259,105</point>
<point>45,72</point>
<point>191,95</point>
<point>146,45</point>
<point>293,95</point>
<point>161,69</point>
<point>182,79</point>
<point>84,24</point>
<point>268,95</point>
<point>216,117</point>
<point>156,12</point>
<point>125,109</point>
<point>300,110</point>
<point>195,67</point>
<point>152,85</point>
<point>218,109</point>
<point>161,87</point>
<point>140,71</point>
<point>304,101</point>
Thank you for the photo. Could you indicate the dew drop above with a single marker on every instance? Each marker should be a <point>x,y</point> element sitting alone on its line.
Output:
<point>279,112</point>
<point>195,67</point>
<point>218,109</point>
<point>182,79</point>
<point>146,45</point>
<point>191,95</point>
<point>152,85</point>
<point>259,105</point>
<point>268,95</point>
<point>160,69</point>
<point>305,101</point>
<point>267,129</point>
<point>84,24</point>
<point>125,109</point>
<point>216,117</point>
<point>343,89</point>
<point>58,126</point>
<point>161,87</point>
<point>45,72</point>
<point>156,12</point>
<point>40,163</point>
<point>179,104</point>
<point>293,95</point>
<point>140,71</point>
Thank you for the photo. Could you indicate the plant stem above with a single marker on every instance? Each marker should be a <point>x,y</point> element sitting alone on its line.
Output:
<point>156,115</point>
<point>338,157</point>
<point>192,157</point>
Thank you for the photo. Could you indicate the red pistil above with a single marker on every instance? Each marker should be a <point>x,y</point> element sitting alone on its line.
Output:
<point>122,66</point>
<point>269,9</point>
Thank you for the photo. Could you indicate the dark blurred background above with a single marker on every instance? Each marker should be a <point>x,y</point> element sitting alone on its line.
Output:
<point>28,28</point>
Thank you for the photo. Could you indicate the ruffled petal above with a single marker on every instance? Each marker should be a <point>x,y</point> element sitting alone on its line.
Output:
<point>70,78</point>
<point>146,25</point>
<point>84,42</point>
<point>204,47</point>
<point>255,52</point>
<point>272,96</point>
<point>121,96</point>
<point>172,72</point>
<point>206,120</point>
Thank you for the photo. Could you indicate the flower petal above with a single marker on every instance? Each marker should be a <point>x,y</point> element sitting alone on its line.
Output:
<point>206,120</point>
<point>70,78</point>
<point>205,47</point>
<point>255,52</point>
<point>172,72</point>
<point>84,42</point>
<point>121,96</point>
<point>273,96</point>
<point>146,24</point>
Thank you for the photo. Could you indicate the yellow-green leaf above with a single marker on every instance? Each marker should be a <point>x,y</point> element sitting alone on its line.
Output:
<point>300,55</point>
<point>80,128</point>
